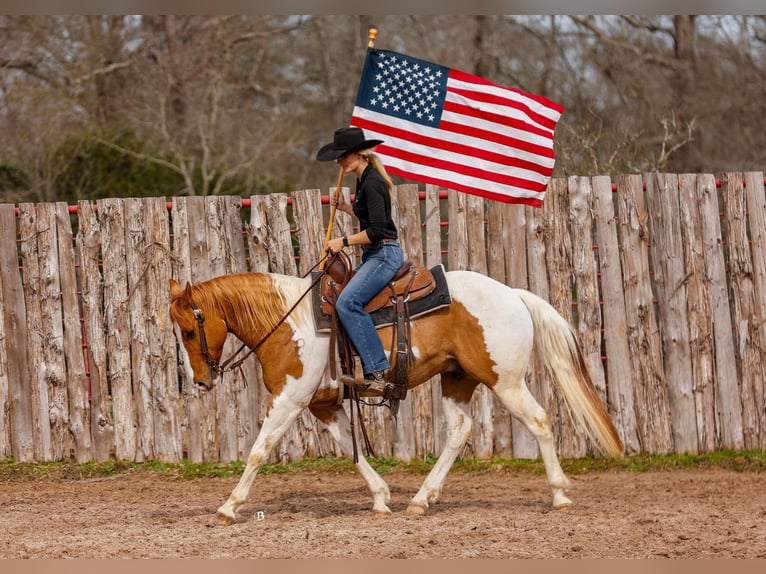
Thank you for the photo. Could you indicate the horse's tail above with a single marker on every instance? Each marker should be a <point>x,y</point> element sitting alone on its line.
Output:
<point>559,348</point>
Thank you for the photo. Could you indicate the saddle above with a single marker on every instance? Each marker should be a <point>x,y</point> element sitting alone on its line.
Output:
<point>409,283</point>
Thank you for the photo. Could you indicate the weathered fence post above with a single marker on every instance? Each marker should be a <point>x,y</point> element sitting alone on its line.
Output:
<point>727,393</point>
<point>19,381</point>
<point>189,246</point>
<point>75,378</point>
<point>433,257</point>
<point>667,256</point>
<point>652,408</point>
<point>619,380</point>
<point>584,274</point>
<point>92,289</point>
<point>756,214</point>
<point>411,237</point>
<point>515,222</point>
<point>702,373</point>
<point>746,309</point>
<point>497,242</point>
<point>558,249</point>
<point>113,249</point>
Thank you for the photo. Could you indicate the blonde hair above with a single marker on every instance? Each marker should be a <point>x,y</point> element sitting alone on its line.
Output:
<point>376,162</point>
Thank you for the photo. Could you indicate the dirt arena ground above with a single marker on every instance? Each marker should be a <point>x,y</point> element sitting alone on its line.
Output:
<point>307,514</point>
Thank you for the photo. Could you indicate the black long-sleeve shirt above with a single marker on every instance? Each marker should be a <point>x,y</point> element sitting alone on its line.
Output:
<point>372,205</point>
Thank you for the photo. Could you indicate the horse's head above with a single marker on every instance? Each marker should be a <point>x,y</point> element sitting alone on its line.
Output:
<point>201,332</point>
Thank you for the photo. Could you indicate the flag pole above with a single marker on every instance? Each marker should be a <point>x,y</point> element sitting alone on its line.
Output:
<point>371,35</point>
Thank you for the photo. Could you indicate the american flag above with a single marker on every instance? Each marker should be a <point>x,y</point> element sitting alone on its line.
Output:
<point>453,129</point>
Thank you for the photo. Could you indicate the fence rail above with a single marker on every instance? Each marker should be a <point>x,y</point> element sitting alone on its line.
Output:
<point>662,275</point>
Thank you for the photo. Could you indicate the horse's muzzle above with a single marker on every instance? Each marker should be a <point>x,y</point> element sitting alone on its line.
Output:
<point>203,386</point>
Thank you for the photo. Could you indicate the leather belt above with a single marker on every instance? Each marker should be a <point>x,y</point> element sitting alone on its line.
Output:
<point>377,243</point>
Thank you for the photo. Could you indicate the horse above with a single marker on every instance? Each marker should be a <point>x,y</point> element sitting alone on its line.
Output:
<point>486,335</point>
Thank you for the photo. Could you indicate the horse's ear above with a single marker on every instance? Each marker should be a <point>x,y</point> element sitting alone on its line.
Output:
<point>188,291</point>
<point>175,290</point>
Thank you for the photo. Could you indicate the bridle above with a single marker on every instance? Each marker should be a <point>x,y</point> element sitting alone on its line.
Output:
<point>218,369</point>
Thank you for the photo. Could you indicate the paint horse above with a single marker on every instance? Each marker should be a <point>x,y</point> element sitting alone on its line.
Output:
<point>486,335</point>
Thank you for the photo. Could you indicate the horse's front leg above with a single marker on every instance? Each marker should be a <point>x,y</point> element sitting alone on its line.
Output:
<point>284,411</point>
<point>336,420</point>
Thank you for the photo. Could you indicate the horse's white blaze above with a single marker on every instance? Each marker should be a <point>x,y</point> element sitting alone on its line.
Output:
<point>185,363</point>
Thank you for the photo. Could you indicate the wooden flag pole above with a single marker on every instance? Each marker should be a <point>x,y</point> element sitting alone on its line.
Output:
<point>371,35</point>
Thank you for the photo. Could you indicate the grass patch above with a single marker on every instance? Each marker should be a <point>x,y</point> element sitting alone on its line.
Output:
<point>739,461</point>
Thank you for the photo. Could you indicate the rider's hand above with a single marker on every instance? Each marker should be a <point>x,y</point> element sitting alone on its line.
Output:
<point>341,204</point>
<point>334,245</point>
<point>338,200</point>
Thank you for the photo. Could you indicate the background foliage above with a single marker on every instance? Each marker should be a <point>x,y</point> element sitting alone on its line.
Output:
<point>96,106</point>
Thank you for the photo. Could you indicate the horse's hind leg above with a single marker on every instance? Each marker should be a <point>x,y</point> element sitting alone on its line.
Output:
<point>522,405</point>
<point>284,411</point>
<point>339,426</point>
<point>457,389</point>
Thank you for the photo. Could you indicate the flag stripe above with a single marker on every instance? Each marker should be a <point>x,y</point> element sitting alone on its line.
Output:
<point>522,196</point>
<point>446,140</point>
<point>472,172</point>
<point>504,119</point>
<point>494,137</point>
<point>508,106</point>
<point>537,105</point>
<point>497,119</point>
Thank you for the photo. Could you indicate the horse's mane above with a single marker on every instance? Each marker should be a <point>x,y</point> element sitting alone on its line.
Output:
<point>257,299</point>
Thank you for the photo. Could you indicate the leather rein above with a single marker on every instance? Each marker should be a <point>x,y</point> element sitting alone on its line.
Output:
<point>218,369</point>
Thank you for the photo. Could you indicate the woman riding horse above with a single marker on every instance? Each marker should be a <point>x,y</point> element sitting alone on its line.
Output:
<point>381,253</point>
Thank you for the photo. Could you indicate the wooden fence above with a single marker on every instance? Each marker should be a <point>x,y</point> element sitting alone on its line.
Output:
<point>663,276</point>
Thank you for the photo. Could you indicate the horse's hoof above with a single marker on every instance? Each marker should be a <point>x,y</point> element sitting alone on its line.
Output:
<point>221,520</point>
<point>561,501</point>
<point>381,513</point>
<point>416,510</point>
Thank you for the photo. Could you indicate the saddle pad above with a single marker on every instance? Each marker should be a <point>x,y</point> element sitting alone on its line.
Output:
<point>437,299</point>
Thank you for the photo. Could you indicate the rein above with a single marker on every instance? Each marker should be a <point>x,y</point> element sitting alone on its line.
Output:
<point>219,369</point>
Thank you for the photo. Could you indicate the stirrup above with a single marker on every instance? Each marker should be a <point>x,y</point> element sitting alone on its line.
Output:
<point>357,380</point>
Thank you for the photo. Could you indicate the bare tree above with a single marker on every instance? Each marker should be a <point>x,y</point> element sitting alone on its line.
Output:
<point>211,98</point>
<point>56,83</point>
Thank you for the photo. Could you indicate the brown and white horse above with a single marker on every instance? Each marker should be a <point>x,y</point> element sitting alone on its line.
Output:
<point>486,335</point>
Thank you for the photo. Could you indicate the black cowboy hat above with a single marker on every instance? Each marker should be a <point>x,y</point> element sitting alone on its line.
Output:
<point>345,141</point>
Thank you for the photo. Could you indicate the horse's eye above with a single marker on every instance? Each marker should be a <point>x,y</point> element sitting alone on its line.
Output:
<point>189,335</point>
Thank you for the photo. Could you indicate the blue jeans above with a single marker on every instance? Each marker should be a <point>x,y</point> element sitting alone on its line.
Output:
<point>376,270</point>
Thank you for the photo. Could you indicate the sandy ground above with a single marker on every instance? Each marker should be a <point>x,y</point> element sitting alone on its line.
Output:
<point>319,514</point>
